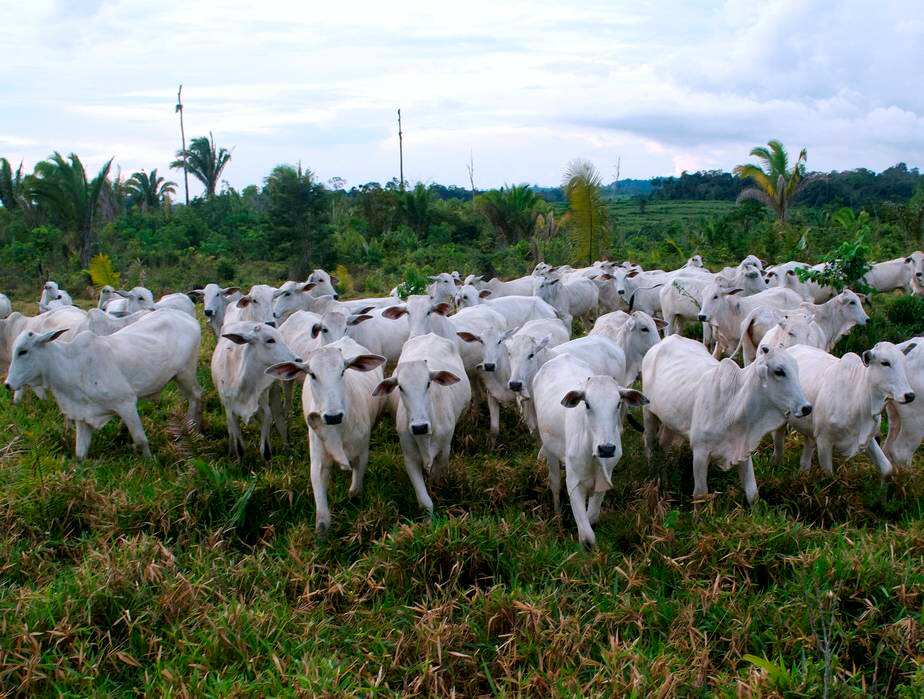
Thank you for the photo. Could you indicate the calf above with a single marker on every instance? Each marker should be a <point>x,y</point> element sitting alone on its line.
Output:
<point>588,441</point>
<point>433,392</point>
<point>516,310</point>
<point>242,355</point>
<point>905,273</point>
<point>215,301</point>
<point>722,410</point>
<point>848,394</point>
<point>340,410</point>
<point>94,378</point>
<point>906,422</point>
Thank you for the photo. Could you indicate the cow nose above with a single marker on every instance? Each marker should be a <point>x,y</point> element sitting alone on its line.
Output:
<point>919,274</point>
<point>489,367</point>
<point>909,396</point>
<point>298,360</point>
<point>209,312</point>
<point>271,323</point>
<point>703,317</point>
<point>420,428</point>
<point>606,451</point>
<point>333,418</point>
<point>8,387</point>
<point>805,410</point>
<point>515,386</point>
<point>336,297</point>
<point>620,291</point>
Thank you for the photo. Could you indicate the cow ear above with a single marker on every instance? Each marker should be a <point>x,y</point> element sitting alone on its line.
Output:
<point>633,398</point>
<point>432,278</point>
<point>572,399</point>
<point>659,324</point>
<point>552,282</point>
<point>444,378</point>
<point>244,301</point>
<point>356,320</point>
<point>385,386</point>
<point>469,337</point>
<point>238,338</point>
<point>196,294</point>
<point>867,357</point>
<point>124,294</point>
<point>631,274</point>
<point>364,310</point>
<point>507,335</point>
<point>285,370</point>
<point>316,329</point>
<point>278,293</point>
<point>733,292</point>
<point>366,362</point>
<point>230,290</point>
<point>314,420</point>
<point>907,348</point>
<point>50,336</point>
<point>333,279</point>
<point>309,286</point>
<point>543,343</point>
<point>394,312</point>
<point>484,293</point>
<point>442,308</point>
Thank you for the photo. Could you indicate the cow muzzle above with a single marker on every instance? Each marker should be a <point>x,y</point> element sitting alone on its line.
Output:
<point>488,367</point>
<point>606,451</point>
<point>209,312</point>
<point>804,411</point>
<point>420,428</point>
<point>333,418</point>
<point>702,317</point>
<point>909,397</point>
<point>515,386</point>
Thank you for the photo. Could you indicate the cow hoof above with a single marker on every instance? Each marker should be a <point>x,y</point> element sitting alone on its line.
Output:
<point>321,530</point>
<point>267,451</point>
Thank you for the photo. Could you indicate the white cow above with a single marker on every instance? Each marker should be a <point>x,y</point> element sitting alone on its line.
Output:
<point>433,392</point>
<point>424,316</point>
<point>905,273</point>
<point>522,286</point>
<point>101,323</point>
<point>725,309</point>
<point>177,302</point>
<point>340,410</point>
<point>442,288</point>
<point>243,353</point>
<point>570,299</point>
<point>681,298</point>
<point>587,441</point>
<point>786,328</point>
<point>127,302</point>
<point>215,301</point>
<point>256,306</point>
<point>722,410</point>
<point>516,310</point>
<point>906,421</point>
<point>786,275</point>
<point>323,283</point>
<point>53,297</point>
<point>834,319</point>
<point>106,294</point>
<point>849,395</point>
<point>94,378</point>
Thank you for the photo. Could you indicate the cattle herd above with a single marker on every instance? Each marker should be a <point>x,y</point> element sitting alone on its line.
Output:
<point>424,360</point>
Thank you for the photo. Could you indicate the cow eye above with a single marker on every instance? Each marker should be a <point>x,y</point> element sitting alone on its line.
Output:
<point>22,352</point>
<point>853,303</point>
<point>530,356</point>
<point>715,297</point>
<point>886,363</point>
<point>271,341</point>
<point>324,330</point>
<point>313,377</point>
<point>780,372</point>
<point>644,330</point>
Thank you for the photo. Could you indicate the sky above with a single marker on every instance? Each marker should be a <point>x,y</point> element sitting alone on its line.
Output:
<point>521,88</point>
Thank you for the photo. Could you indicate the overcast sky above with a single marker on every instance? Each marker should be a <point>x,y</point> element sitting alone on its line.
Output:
<point>524,86</point>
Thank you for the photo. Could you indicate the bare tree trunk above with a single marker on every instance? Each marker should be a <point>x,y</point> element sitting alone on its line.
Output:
<point>179,108</point>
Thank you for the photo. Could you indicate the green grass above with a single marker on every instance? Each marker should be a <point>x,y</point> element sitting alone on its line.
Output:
<point>194,574</point>
<point>631,221</point>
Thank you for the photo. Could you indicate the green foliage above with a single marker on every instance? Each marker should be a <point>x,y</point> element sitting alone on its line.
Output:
<point>101,272</point>
<point>777,184</point>
<point>589,216</point>
<point>511,211</point>
<point>149,191</point>
<point>849,262</point>
<point>204,161</point>
<point>414,283</point>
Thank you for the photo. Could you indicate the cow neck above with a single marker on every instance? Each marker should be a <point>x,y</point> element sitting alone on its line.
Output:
<point>752,413</point>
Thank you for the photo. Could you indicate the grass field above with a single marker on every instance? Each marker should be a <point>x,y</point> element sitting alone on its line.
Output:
<point>631,220</point>
<point>193,574</point>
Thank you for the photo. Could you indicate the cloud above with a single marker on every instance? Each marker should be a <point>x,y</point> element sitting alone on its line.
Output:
<point>524,86</point>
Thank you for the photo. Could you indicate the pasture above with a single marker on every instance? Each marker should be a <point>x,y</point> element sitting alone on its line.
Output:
<point>193,573</point>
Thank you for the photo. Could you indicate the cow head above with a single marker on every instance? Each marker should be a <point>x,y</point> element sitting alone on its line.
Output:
<point>525,353</point>
<point>887,371</point>
<point>779,380</point>
<point>415,381</point>
<point>26,366</point>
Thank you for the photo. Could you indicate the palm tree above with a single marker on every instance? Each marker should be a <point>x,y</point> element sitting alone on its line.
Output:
<point>60,186</point>
<point>204,161</point>
<point>417,207</point>
<point>777,183</point>
<point>511,210</point>
<point>589,214</point>
<point>12,192</point>
<point>148,191</point>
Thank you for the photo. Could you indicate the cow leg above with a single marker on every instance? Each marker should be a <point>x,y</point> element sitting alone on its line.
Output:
<point>808,451</point>
<point>235,438</point>
<point>748,482</point>
<point>779,445</point>
<point>494,412</point>
<point>880,459</point>
<point>825,454</point>
<point>288,391</point>
<point>413,467</point>
<point>277,408</point>
<point>84,436</point>
<point>129,415</point>
<point>707,335</point>
<point>192,392</point>
<point>266,425</point>
<point>593,507</point>
<point>528,411</point>
<point>554,466</point>
<point>359,472</point>
<point>578,496</point>
<point>320,478</point>
<point>700,473</point>
<point>652,425</point>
